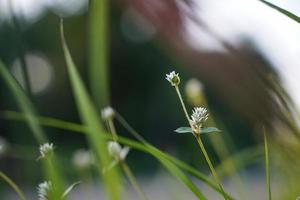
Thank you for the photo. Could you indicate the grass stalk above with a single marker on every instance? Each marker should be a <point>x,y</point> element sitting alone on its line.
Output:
<point>13,185</point>
<point>133,180</point>
<point>267,166</point>
<point>112,129</point>
<point>98,52</point>
<point>183,105</point>
<point>130,129</point>
<point>125,166</point>
<point>211,167</point>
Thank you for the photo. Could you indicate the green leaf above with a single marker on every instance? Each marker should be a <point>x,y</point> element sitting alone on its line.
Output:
<point>94,129</point>
<point>209,130</point>
<point>283,11</point>
<point>184,130</point>
<point>69,189</point>
<point>202,130</point>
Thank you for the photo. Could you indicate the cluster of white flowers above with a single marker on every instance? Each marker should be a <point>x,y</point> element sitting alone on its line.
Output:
<point>46,150</point>
<point>116,151</point>
<point>199,116</point>
<point>82,159</point>
<point>44,189</point>
<point>173,78</point>
<point>107,113</point>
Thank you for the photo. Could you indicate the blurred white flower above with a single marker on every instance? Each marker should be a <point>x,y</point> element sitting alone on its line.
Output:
<point>199,116</point>
<point>194,92</point>
<point>82,159</point>
<point>43,190</point>
<point>3,146</point>
<point>116,151</point>
<point>46,150</point>
<point>107,113</point>
<point>173,78</point>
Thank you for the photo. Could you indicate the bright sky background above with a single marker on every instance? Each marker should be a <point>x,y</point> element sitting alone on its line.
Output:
<point>276,36</point>
<point>32,10</point>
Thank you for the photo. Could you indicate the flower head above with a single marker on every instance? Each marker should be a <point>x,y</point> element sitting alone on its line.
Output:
<point>46,150</point>
<point>173,78</point>
<point>44,189</point>
<point>199,116</point>
<point>107,113</point>
<point>82,159</point>
<point>116,151</point>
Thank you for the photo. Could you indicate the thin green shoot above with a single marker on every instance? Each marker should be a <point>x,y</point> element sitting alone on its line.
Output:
<point>267,166</point>
<point>13,185</point>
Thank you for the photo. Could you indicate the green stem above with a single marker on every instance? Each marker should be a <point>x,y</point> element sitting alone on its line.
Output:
<point>267,166</point>
<point>99,51</point>
<point>125,166</point>
<point>129,128</point>
<point>112,129</point>
<point>133,180</point>
<point>211,167</point>
<point>13,185</point>
<point>182,104</point>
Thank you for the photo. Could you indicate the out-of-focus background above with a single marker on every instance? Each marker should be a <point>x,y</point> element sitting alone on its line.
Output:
<point>225,53</point>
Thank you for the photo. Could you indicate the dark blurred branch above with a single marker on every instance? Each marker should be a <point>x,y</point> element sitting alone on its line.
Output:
<point>21,52</point>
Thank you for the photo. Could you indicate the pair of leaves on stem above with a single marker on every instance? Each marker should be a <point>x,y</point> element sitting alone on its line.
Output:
<point>201,131</point>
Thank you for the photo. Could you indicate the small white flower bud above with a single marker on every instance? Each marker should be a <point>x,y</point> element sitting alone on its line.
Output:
<point>46,150</point>
<point>173,78</point>
<point>116,151</point>
<point>82,159</point>
<point>107,113</point>
<point>43,190</point>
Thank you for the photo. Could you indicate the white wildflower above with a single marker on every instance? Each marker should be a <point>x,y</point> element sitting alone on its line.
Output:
<point>43,190</point>
<point>116,151</point>
<point>199,116</point>
<point>46,150</point>
<point>107,113</point>
<point>82,159</point>
<point>173,78</point>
